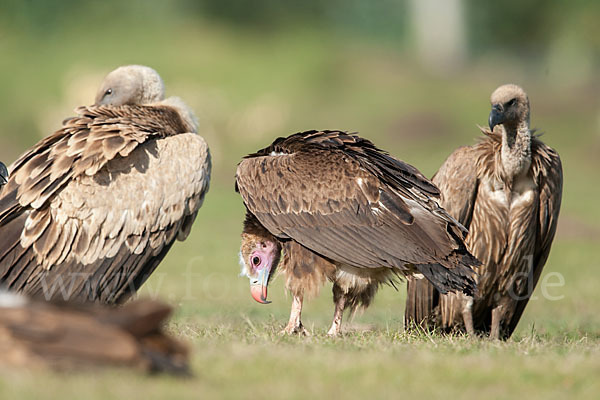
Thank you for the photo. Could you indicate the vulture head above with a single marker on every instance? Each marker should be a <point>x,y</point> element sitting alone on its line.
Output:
<point>3,175</point>
<point>510,107</point>
<point>131,84</point>
<point>259,257</point>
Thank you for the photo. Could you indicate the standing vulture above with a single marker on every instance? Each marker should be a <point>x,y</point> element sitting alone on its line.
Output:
<point>506,190</point>
<point>90,211</point>
<point>344,210</point>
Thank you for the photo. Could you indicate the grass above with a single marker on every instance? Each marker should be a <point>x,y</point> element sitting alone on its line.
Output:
<point>241,360</point>
<point>237,351</point>
<point>248,88</point>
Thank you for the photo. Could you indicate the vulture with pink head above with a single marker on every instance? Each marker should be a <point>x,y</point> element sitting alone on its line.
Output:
<point>340,209</point>
<point>507,191</point>
<point>90,211</point>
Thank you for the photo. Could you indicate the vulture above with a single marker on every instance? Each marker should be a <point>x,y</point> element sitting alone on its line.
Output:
<point>89,212</point>
<point>342,210</point>
<point>67,336</point>
<point>506,190</point>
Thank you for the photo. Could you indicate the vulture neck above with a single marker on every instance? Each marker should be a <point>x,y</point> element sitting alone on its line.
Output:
<point>516,149</point>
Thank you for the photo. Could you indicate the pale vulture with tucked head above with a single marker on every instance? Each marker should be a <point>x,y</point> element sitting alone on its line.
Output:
<point>507,191</point>
<point>90,211</point>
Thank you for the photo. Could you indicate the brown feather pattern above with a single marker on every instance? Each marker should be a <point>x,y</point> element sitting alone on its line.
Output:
<point>512,242</point>
<point>312,193</point>
<point>349,212</point>
<point>111,189</point>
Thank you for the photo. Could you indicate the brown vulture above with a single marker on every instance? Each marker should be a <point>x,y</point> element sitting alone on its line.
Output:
<point>59,335</point>
<point>90,211</point>
<point>506,190</point>
<point>341,209</point>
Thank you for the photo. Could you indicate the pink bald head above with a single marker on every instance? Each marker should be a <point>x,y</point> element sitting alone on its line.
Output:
<point>259,257</point>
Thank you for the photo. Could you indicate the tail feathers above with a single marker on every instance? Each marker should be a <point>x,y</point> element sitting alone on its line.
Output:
<point>421,300</point>
<point>460,278</point>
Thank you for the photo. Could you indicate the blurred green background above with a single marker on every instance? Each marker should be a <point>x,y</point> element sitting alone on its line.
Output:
<point>413,76</point>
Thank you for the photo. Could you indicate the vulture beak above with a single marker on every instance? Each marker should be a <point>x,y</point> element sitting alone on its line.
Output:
<point>496,116</point>
<point>258,287</point>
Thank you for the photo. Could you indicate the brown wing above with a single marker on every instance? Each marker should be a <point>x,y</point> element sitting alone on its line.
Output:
<point>328,197</point>
<point>82,147</point>
<point>392,171</point>
<point>90,211</point>
<point>547,170</point>
<point>457,181</point>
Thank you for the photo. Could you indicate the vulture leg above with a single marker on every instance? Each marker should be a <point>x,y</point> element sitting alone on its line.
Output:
<point>497,314</point>
<point>339,298</point>
<point>294,325</point>
<point>467,314</point>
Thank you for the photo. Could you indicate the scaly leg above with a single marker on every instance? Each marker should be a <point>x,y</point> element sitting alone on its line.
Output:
<point>294,325</point>
<point>497,314</point>
<point>340,302</point>
<point>467,314</point>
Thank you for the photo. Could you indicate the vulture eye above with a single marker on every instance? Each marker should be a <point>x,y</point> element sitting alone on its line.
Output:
<point>512,102</point>
<point>108,92</point>
<point>255,261</point>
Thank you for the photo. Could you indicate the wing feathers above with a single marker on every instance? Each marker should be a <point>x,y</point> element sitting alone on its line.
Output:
<point>75,205</point>
<point>346,200</point>
<point>397,207</point>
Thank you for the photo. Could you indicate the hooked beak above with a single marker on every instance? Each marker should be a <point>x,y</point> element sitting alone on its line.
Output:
<point>258,287</point>
<point>496,117</point>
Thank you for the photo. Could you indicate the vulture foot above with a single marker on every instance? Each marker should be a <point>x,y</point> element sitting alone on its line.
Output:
<point>294,326</point>
<point>334,331</point>
<point>299,330</point>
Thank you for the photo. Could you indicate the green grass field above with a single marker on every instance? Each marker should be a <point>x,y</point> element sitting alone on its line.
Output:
<point>248,89</point>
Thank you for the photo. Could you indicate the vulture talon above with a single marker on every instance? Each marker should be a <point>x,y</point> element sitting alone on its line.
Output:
<point>295,330</point>
<point>332,332</point>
